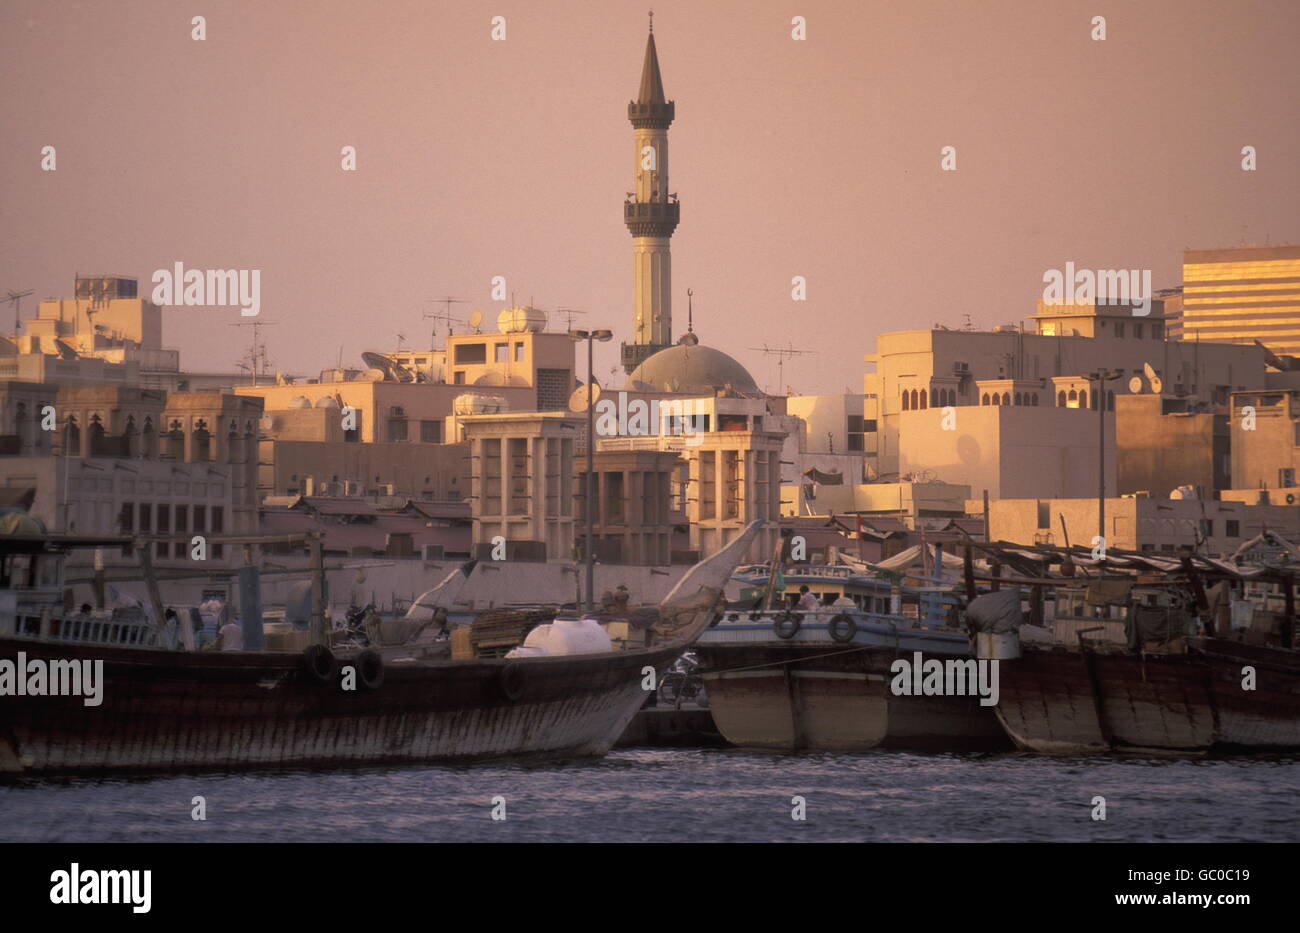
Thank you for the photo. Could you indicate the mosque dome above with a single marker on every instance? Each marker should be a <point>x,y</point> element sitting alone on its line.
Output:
<point>693,369</point>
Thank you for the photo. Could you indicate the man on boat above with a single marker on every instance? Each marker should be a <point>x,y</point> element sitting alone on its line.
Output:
<point>807,600</point>
<point>231,637</point>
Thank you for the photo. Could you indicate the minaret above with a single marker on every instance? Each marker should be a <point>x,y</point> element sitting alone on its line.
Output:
<point>651,214</point>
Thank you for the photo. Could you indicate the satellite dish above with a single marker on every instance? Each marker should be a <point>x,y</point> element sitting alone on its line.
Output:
<point>475,319</point>
<point>1157,384</point>
<point>578,400</point>
<point>1135,384</point>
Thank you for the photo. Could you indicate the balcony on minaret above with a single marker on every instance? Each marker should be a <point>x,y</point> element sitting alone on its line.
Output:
<point>651,218</point>
<point>651,114</point>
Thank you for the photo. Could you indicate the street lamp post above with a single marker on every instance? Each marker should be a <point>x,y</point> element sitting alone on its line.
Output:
<point>1100,378</point>
<point>588,490</point>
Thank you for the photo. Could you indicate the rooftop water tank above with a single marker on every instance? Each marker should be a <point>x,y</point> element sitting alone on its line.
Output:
<point>475,403</point>
<point>522,320</point>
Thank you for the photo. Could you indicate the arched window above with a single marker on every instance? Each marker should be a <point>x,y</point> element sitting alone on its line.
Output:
<point>906,404</point>
<point>1074,396</point>
<point>72,438</point>
<point>1060,399</point>
<point>1110,400</point>
<point>96,432</point>
<point>985,399</point>
<point>1093,406</point>
<point>1034,402</point>
<point>201,446</point>
<point>923,394</point>
<point>1019,399</point>
<point>174,449</point>
<point>1006,398</point>
<point>915,400</point>
<point>148,440</point>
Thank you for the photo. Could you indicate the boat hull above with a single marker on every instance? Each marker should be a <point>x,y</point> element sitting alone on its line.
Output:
<point>1059,700</point>
<point>821,696</point>
<point>1264,718</point>
<point>173,711</point>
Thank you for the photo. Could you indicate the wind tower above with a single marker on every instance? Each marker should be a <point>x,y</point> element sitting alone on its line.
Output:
<point>651,213</point>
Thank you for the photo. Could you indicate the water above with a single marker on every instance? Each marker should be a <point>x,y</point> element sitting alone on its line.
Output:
<point>668,795</point>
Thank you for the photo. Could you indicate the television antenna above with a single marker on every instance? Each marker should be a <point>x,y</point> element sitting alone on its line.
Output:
<point>443,315</point>
<point>257,362</point>
<point>14,298</point>
<point>568,314</point>
<point>781,353</point>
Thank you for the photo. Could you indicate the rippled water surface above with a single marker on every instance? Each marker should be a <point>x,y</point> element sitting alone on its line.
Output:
<point>666,795</point>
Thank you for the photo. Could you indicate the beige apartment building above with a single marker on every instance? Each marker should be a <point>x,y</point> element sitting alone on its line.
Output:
<point>1215,528</point>
<point>1266,442</point>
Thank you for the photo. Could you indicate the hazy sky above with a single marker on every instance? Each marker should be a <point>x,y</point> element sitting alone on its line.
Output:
<point>478,158</point>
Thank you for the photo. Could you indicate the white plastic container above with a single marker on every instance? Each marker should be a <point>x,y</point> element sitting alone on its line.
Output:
<point>568,636</point>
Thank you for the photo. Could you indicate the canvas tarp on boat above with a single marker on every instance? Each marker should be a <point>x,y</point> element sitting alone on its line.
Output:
<point>996,613</point>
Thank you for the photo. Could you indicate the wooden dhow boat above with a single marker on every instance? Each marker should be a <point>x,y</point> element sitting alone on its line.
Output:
<point>1142,655</point>
<point>170,710</point>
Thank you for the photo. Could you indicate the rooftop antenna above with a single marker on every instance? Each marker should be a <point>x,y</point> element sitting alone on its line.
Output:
<point>781,353</point>
<point>569,313</point>
<point>14,298</point>
<point>652,20</point>
<point>445,315</point>
<point>258,363</point>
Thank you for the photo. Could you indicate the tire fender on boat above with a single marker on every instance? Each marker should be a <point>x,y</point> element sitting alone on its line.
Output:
<point>786,625</point>
<point>842,628</point>
<point>370,669</point>
<point>512,679</point>
<point>320,664</point>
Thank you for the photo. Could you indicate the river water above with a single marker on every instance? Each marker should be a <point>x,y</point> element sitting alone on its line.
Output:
<point>675,795</point>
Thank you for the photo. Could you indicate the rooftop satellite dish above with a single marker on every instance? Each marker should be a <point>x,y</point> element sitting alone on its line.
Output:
<point>1149,372</point>
<point>475,319</point>
<point>578,400</point>
<point>1157,384</point>
<point>1135,384</point>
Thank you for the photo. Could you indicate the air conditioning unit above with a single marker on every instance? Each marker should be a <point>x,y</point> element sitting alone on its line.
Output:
<point>960,369</point>
<point>397,411</point>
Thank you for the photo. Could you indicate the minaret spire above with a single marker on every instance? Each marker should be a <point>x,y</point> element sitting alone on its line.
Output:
<point>651,213</point>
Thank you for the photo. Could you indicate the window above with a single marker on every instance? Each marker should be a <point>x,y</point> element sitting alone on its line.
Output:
<point>869,426</point>
<point>519,352</point>
<point>431,432</point>
<point>146,518</point>
<point>459,378</point>
<point>1232,528</point>
<point>180,517</point>
<point>1119,328</point>
<point>397,430</point>
<point>164,518</point>
<point>218,526</point>
<point>1157,330</point>
<point>1044,515</point>
<point>855,424</point>
<point>471,353</point>
<point>1137,330</point>
<point>501,353</point>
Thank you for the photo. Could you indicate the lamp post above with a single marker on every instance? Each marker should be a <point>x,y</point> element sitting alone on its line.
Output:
<point>1100,378</point>
<point>588,494</point>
